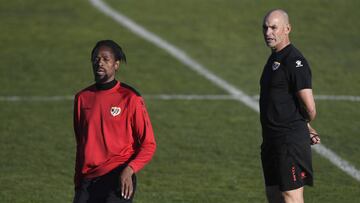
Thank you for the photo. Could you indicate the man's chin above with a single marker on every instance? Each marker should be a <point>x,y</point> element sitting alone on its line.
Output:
<point>270,45</point>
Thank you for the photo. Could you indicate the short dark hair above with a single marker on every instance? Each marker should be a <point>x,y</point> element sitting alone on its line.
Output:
<point>116,49</point>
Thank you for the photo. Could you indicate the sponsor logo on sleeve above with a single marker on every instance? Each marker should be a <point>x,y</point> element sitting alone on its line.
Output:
<point>298,64</point>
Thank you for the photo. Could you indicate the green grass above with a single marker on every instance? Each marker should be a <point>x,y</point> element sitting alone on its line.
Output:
<point>208,151</point>
<point>226,36</point>
<point>339,126</point>
<point>37,152</point>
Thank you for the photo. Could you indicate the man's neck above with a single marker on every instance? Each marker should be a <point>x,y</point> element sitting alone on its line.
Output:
<point>106,86</point>
<point>281,47</point>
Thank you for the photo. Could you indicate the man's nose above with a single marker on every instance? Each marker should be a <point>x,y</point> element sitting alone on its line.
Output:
<point>268,32</point>
<point>100,62</point>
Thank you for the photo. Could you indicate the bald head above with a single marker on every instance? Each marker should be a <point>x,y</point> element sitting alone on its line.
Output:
<point>279,14</point>
<point>276,29</point>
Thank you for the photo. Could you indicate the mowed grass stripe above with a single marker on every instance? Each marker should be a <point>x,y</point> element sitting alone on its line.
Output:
<point>197,67</point>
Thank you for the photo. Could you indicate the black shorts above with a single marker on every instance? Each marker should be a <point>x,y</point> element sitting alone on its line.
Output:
<point>103,189</point>
<point>287,164</point>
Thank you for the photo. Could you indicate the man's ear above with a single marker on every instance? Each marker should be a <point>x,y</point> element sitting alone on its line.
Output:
<point>288,28</point>
<point>117,65</point>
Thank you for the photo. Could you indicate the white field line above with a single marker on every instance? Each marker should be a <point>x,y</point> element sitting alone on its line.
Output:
<point>153,97</point>
<point>192,64</point>
<point>176,53</point>
<point>171,97</point>
<point>338,98</point>
<point>232,97</point>
<point>189,97</point>
<point>337,161</point>
<point>35,98</point>
<point>331,97</point>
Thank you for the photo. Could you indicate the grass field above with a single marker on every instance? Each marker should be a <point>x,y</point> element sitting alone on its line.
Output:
<point>208,151</point>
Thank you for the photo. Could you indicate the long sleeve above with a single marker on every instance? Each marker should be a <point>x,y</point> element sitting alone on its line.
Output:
<point>76,126</point>
<point>143,134</point>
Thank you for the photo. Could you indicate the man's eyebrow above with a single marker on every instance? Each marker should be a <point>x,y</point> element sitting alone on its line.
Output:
<point>271,26</point>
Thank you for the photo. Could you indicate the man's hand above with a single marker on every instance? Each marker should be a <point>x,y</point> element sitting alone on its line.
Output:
<point>314,136</point>
<point>126,182</point>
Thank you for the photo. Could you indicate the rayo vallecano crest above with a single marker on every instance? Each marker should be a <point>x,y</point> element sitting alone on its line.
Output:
<point>275,65</point>
<point>115,110</point>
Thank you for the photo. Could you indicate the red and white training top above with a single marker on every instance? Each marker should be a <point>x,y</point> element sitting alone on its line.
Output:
<point>112,127</point>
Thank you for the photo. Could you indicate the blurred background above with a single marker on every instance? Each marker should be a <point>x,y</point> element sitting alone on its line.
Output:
<point>208,149</point>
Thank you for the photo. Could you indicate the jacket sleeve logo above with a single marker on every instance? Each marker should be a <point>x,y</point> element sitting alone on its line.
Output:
<point>298,64</point>
<point>115,111</point>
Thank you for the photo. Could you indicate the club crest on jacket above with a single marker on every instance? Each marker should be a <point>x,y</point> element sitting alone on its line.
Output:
<point>275,65</point>
<point>115,111</point>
